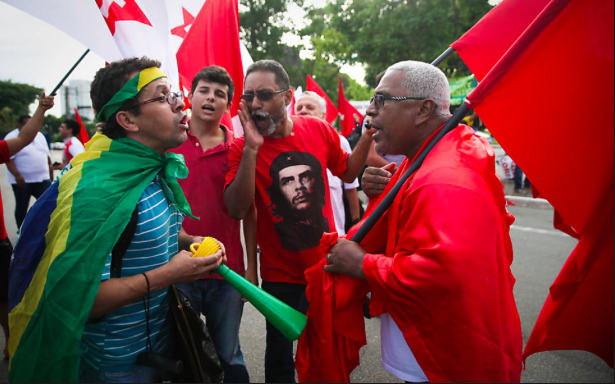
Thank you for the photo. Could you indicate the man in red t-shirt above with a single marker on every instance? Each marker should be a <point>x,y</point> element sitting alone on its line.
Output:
<point>206,154</point>
<point>7,149</point>
<point>280,164</point>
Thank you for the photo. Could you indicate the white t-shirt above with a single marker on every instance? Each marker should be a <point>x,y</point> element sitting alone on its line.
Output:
<point>397,358</point>
<point>32,161</point>
<point>336,190</point>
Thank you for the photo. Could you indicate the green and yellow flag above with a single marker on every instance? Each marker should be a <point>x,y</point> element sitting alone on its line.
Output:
<point>65,241</point>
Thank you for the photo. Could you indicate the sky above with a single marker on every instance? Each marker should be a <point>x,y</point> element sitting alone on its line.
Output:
<point>36,53</point>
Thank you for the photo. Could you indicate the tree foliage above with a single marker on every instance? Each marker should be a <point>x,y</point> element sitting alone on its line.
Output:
<point>15,100</point>
<point>379,33</point>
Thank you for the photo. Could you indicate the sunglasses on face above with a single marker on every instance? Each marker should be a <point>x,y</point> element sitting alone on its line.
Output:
<point>262,96</point>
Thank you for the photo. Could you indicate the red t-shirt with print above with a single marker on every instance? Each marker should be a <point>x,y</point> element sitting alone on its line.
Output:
<point>292,196</point>
<point>5,157</point>
<point>204,190</point>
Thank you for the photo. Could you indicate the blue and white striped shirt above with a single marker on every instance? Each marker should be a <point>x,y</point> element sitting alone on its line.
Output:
<point>113,343</point>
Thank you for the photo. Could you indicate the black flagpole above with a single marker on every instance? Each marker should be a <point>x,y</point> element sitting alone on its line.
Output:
<point>53,93</point>
<point>388,200</point>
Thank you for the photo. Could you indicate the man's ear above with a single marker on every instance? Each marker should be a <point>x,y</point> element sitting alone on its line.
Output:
<point>228,107</point>
<point>190,95</point>
<point>427,110</point>
<point>126,121</point>
<point>288,96</point>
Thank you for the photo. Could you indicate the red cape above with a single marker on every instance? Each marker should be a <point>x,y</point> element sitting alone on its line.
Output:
<point>439,264</point>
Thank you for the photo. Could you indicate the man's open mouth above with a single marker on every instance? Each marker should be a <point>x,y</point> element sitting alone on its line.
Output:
<point>208,108</point>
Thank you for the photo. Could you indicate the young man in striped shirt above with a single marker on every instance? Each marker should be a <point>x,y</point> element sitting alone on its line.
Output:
<point>119,328</point>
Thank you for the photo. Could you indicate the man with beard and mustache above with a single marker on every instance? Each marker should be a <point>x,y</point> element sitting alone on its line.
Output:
<point>270,132</point>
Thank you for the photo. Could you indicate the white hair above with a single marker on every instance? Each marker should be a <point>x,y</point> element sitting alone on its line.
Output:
<point>321,101</point>
<point>425,80</point>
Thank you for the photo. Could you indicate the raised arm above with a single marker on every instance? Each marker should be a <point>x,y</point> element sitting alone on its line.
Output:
<point>29,131</point>
<point>239,195</point>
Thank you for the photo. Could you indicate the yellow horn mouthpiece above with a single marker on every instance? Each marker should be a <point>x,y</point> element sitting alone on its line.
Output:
<point>208,247</point>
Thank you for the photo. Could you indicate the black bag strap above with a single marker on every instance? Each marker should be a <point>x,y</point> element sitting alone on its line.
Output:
<point>120,248</point>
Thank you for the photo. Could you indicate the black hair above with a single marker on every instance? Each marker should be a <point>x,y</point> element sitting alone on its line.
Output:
<point>73,125</point>
<point>281,77</point>
<point>108,81</point>
<point>279,206</point>
<point>215,74</point>
<point>22,118</point>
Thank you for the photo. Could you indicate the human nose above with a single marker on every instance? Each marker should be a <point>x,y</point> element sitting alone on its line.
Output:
<point>372,110</point>
<point>179,105</point>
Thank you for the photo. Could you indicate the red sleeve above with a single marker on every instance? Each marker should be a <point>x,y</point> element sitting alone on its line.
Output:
<point>5,157</point>
<point>234,159</point>
<point>338,157</point>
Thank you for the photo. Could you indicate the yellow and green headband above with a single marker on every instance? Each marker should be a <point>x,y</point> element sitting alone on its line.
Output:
<point>129,91</point>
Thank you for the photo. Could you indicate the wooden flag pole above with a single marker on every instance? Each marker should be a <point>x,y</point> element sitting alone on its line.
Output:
<point>53,93</point>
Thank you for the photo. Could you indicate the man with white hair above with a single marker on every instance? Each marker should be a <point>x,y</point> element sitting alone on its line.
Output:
<point>438,262</point>
<point>312,104</point>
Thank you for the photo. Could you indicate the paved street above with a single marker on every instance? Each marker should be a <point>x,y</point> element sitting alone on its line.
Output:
<point>540,252</point>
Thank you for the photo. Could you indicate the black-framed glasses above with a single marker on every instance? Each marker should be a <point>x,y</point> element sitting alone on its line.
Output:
<point>380,99</point>
<point>171,98</point>
<point>262,95</point>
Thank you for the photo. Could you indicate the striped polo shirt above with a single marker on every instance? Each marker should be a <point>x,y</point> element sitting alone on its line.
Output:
<point>113,343</point>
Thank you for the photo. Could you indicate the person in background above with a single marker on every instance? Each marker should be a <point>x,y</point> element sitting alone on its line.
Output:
<point>206,154</point>
<point>30,170</point>
<point>8,148</point>
<point>311,104</point>
<point>69,131</point>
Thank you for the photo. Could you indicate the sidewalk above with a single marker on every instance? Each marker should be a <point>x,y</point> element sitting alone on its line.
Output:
<point>525,199</point>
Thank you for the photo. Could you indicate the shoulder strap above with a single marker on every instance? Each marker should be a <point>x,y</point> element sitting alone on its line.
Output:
<point>120,248</point>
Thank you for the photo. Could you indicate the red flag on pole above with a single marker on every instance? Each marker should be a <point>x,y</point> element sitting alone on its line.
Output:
<point>213,39</point>
<point>84,137</point>
<point>332,111</point>
<point>348,113</point>
<point>564,58</point>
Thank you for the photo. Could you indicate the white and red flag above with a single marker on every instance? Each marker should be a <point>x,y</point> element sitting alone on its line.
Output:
<point>296,95</point>
<point>332,112</point>
<point>348,114</point>
<point>562,55</point>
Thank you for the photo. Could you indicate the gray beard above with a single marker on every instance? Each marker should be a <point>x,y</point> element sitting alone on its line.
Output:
<point>274,121</point>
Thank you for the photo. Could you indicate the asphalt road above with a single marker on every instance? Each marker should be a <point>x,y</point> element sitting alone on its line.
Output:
<point>540,252</point>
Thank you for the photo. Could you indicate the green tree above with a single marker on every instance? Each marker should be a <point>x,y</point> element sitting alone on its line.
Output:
<point>379,33</point>
<point>15,100</point>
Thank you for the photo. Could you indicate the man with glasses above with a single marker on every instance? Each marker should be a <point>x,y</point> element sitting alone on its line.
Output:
<point>272,137</point>
<point>438,262</point>
<point>127,202</point>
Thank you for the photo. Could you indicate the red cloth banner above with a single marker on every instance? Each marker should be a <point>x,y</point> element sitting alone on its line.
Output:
<point>483,45</point>
<point>348,114</point>
<point>332,111</point>
<point>563,59</point>
<point>213,39</point>
<point>84,137</point>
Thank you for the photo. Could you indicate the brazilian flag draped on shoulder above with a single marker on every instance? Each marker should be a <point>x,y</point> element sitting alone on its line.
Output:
<point>64,244</point>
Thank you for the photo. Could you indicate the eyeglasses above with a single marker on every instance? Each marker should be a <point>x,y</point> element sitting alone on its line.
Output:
<point>171,98</point>
<point>262,96</point>
<point>379,99</point>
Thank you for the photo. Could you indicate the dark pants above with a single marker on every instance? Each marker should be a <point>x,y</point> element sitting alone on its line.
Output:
<point>519,178</point>
<point>22,198</point>
<point>279,361</point>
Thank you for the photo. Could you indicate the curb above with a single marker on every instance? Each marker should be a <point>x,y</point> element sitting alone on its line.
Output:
<point>529,202</point>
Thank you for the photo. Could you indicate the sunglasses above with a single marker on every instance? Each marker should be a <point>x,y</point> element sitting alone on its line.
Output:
<point>262,96</point>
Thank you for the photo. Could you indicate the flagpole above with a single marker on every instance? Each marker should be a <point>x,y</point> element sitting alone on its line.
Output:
<point>388,200</point>
<point>443,56</point>
<point>53,93</point>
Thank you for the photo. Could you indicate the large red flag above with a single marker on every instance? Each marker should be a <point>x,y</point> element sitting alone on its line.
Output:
<point>483,45</point>
<point>348,113</point>
<point>83,134</point>
<point>213,39</point>
<point>332,111</point>
<point>563,62</point>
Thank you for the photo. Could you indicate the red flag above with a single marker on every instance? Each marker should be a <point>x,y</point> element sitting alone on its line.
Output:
<point>565,57</point>
<point>483,45</point>
<point>332,111</point>
<point>83,134</point>
<point>213,39</point>
<point>348,113</point>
